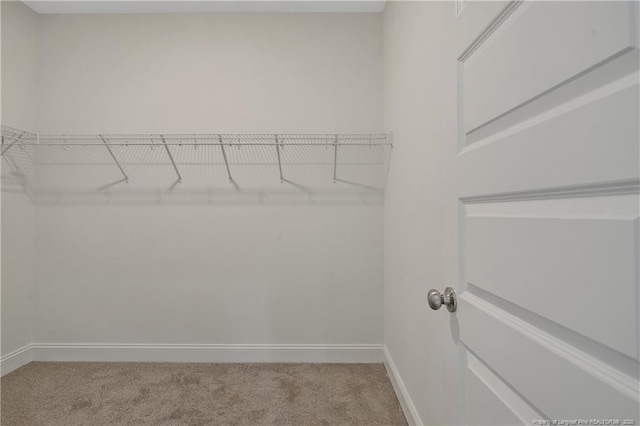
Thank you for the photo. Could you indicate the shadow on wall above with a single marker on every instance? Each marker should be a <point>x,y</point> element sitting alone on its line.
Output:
<point>212,196</point>
<point>19,175</point>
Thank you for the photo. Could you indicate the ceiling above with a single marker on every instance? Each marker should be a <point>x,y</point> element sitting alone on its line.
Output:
<point>205,6</point>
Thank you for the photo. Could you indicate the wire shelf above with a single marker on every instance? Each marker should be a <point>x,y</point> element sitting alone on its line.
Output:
<point>154,139</point>
<point>104,162</point>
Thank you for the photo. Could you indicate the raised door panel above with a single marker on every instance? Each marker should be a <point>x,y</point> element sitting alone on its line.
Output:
<point>577,269</point>
<point>553,377</point>
<point>540,45</point>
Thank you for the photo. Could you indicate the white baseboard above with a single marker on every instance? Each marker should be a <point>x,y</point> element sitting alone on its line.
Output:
<point>16,359</point>
<point>207,353</point>
<point>409,409</point>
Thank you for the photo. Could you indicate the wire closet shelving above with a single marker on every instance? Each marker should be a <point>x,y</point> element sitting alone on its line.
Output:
<point>107,160</point>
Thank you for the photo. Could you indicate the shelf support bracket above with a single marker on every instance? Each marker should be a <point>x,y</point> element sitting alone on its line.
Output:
<point>224,155</point>
<point>279,159</point>
<point>6,148</point>
<point>335,158</point>
<point>15,138</point>
<point>106,144</point>
<point>171,158</point>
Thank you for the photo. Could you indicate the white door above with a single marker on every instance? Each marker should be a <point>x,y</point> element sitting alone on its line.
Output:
<point>547,175</point>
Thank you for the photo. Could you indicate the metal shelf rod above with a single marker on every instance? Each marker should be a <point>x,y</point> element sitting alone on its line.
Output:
<point>171,158</point>
<point>224,155</point>
<point>335,158</point>
<point>279,161</point>
<point>126,178</point>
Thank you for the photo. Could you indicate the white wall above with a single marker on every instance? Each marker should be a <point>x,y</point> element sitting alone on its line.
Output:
<point>19,58</point>
<point>420,210</point>
<point>19,65</point>
<point>237,73</point>
<point>256,273</point>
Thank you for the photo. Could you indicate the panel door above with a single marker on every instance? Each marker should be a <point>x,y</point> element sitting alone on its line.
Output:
<point>548,181</point>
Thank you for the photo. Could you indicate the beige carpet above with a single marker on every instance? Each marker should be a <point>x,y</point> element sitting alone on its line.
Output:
<point>88,394</point>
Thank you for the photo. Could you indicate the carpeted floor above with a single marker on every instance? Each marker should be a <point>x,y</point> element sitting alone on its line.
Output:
<point>93,394</point>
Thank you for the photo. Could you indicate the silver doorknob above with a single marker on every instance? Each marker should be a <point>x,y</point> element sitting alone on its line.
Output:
<point>448,299</point>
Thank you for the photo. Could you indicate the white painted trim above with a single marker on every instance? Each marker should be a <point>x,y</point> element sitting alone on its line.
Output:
<point>207,353</point>
<point>16,359</point>
<point>409,409</point>
<point>205,6</point>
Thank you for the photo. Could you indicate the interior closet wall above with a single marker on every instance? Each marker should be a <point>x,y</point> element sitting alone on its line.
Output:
<point>258,272</point>
<point>19,58</point>
<point>421,210</point>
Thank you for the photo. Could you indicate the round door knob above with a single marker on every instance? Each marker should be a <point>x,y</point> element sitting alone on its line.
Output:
<point>448,299</point>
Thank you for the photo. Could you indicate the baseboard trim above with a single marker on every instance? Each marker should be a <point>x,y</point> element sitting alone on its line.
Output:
<point>207,353</point>
<point>16,359</point>
<point>409,409</point>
